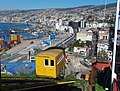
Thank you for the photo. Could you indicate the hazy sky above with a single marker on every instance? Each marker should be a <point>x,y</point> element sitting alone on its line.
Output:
<point>39,4</point>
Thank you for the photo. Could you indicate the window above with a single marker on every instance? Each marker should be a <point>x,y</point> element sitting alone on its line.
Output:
<point>103,37</point>
<point>46,62</point>
<point>32,57</point>
<point>60,58</point>
<point>106,37</point>
<point>51,62</point>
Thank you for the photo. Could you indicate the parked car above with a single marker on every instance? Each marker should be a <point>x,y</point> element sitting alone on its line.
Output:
<point>31,42</point>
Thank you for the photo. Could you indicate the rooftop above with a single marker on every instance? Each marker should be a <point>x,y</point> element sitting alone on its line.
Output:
<point>53,53</point>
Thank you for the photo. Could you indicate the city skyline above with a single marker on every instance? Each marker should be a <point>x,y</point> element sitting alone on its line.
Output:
<point>43,4</point>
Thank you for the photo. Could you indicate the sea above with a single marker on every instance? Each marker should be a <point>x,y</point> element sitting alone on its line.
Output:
<point>8,26</point>
<point>5,28</point>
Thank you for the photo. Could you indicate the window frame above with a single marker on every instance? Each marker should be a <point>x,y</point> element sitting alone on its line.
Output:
<point>44,62</point>
<point>53,63</point>
<point>61,56</point>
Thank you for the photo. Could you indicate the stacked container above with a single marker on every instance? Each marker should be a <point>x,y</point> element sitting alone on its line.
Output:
<point>7,37</point>
<point>11,45</point>
<point>6,40</point>
<point>18,41</point>
<point>6,44</point>
<point>48,42</point>
<point>10,40</point>
<point>13,37</point>
<point>18,37</point>
<point>52,36</point>
<point>14,40</point>
<point>56,33</point>
<point>2,36</point>
<point>1,43</point>
<point>40,34</point>
<point>46,34</point>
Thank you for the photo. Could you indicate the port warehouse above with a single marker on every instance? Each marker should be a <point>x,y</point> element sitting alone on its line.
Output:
<point>50,63</point>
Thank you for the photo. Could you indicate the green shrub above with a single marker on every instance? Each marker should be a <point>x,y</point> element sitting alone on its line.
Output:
<point>99,88</point>
<point>69,77</point>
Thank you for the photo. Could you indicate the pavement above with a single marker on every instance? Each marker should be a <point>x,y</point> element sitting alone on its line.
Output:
<point>75,67</point>
<point>19,47</point>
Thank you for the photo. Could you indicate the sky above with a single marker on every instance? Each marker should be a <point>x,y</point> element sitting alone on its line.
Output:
<point>43,4</point>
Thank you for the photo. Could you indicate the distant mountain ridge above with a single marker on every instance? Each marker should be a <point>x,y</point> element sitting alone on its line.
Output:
<point>75,7</point>
<point>94,7</point>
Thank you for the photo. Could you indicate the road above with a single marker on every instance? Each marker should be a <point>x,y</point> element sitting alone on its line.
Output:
<point>75,67</point>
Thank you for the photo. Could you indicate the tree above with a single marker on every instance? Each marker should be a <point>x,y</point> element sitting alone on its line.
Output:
<point>88,43</point>
<point>82,44</point>
<point>102,56</point>
<point>57,30</point>
<point>76,43</point>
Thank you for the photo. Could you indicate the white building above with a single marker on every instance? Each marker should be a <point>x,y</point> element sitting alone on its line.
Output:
<point>84,36</point>
<point>81,50</point>
<point>92,25</point>
<point>63,28</point>
<point>105,47</point>
<point>57,26</point>
<point>70,29</point>
<point>102,47</point>
<point>102,25</point>
<point>89,35</point>
<point>103,35</point>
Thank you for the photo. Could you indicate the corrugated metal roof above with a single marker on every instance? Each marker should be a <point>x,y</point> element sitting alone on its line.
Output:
<point>52,52</point>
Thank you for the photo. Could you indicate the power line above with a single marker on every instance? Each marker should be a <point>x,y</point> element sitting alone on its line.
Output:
<point>105,8</point>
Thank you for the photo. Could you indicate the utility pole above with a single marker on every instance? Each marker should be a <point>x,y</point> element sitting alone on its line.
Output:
<point>115,42</point>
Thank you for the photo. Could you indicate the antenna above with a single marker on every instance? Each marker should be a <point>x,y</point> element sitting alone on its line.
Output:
<point>105,10</point>
<point>115,42</point>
